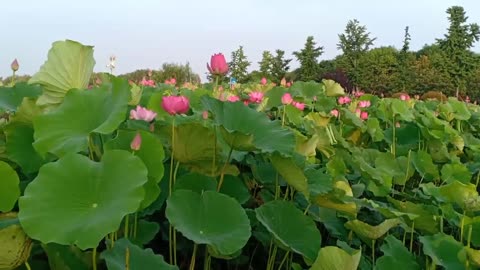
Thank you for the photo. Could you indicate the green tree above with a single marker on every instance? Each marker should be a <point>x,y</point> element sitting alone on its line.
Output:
<point>308,58</point>
<point>280,66</point>
<point>239,65</point>
<point>376,70</point>
<point>354,42</point>
<point>266,64</point>
<point>406,58</point>
<point>456,45</point>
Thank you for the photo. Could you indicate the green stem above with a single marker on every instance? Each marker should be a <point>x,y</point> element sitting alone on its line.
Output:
<point>283,115</point>
<point>306,209</point>
<point>94,258</point>
<point>135,225</point>
<point>112,240</point>
<point>271,263</point>
<point>441,224</point>
<point>125,231</point>
<point>478,179</point>
<point>206,263</point>
<point>277,186</point>
<point>127,259</point>
<point>469,235</point>
<point>222,174</point>
<point>411,236</point>
<point>373,252</point>
<point>462,224</point>
<point>28,266</point>
<point>393,141</point>
<point>192,261</point>
<point>13,79</point>
<point>286,193</point>
<point>170,189</point>
<point>214,150</point>
<point>283,260</point>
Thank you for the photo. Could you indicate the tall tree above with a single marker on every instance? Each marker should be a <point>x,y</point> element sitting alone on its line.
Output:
<point>405,78</point>
<point>280,66</point>
<point>376,69</point>
<point>456,45</point>
<point>239,65</point>
<point>266,64</point>
<point>308,58</point>
<point>354,42</point>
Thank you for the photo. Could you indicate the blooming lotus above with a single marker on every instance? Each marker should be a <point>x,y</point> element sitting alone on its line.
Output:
<point>404,97</point>
<point>344,100</point>
<point>218,65</point>
<point>14,66</point>
<point>287,98</point>
<point>136,142</point>
<point>364,104</point>
<point>263,81</point>
<point>299,105</point>
<point>358,93</point>
<point>364,115</point>
<point>175,104</point>
<point>141,113</point>
<point>256,97</point>
<point>233,98</point>
<point>335,112</point>
<point>146,82</point>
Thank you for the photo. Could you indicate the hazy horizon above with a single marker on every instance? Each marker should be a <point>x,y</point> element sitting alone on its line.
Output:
<point>146,34</point>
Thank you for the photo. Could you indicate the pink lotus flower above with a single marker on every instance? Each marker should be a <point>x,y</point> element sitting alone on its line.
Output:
<point>233,98</point>
<point>358,93</point>
<point>246,102</point>
<point>256,97</point>
<point>136,142</point>
<point>205,115</point>
<point>283,82</point>
<point>144,114</point>
<point>299,105</point>
<point>364,104</point>
<point>364,115</point>
<point>289,84</point>
<point>14,66</point>
<point>171,81</point>
<point>175,104</point>
<point>404,97</point>
<point>335,112</point>
<point>287,98</point>
<point>146,82</point>
<point>263,81</point>
<point>344,100</point>
<point>218,65</point>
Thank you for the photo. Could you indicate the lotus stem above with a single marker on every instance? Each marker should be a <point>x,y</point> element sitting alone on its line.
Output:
<point>373,252</point>
<point>94,258</point>
<point>135,225</point>
<point>283,116</point>
<point>283,260</point>
<point>27,265</point>
<point>286,193</point>
<point>478,179</point>
<point>271,262</point>
<point>127,259</point>
<point>469,235</point>
<point>125,230</point>
<point>441,224</point>
<point>208,258</point>
<point>222,174</point>
<point>306,209</point>
<point>277,186</point>
<point>214,150</point>
<point>192,261</point>
<point>462,224</point>
<point>411,236</point>
<point>112,240</point>
<point>171,232</point>
<point>394,138</point>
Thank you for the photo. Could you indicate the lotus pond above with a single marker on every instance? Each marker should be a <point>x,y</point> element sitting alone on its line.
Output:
<point>256,176</point>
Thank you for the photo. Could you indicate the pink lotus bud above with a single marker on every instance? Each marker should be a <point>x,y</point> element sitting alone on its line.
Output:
<point>256,97</point>
<point>344,100</point>
<point>358,94</point>
<point>364,115</point>
<point>218,65</point>
<point>358,112</point>
<point>246,102</point>
<point>404,97</point>
<point>289,84</point>
<point>233,98</point>
<point>144,114</point>
<point>263,81</point>
<point>175,104</point>
<point>205,115</point>
<point>364,104</point>
<point>287,98</point>
<point>136,142</point>
<point>14,66</point>
<point>283,82</point>
<point>146,82</point>
<point>299,105</point>
<point>167,81</point>
<point>335,112</point>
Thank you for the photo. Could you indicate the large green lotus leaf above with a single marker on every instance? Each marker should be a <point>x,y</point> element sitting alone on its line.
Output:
<point>195,153</point>
<point>334,258</point>
<point>307,89</point>
<point>79,201</point>
<point>146,232</point>
<point>401,110</point>
<point>424,216</point>
<point>366,231</point>
<point>459,172</point>
<point>406,169</point>
<point>67,128</point>
<point>395,256</point>
<point>464,195</point>
<point>9,187</point>
<point>459,109</point>
<point>268,136</point>
<point>444,250</point>
<point>329,219</point>
<point>209,218</point>
<point>62,257</point>
<point>294,115</point>
<point>339,199</point>
<point>291,227</point>
<point>19,147</point>
<point>305,146</point>
<point>374,129</point>
<point>69,65</point>
<point>139,259</point>
<point>333,89</point>
<point>12,97</point>
<point>151,153</point>
<point>16,245</point>
<point>291,172</point>
<point>274,96</point>
<point>424,165</point>
<point>319,182</point>
<point>234,187</point>
<point>196,182</point>
<point>475,224</point>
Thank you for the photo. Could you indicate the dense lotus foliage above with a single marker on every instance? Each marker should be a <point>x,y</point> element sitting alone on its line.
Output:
<point>254,176</point>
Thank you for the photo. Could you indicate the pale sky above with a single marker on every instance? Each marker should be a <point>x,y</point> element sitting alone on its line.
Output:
<point>147,33</point>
